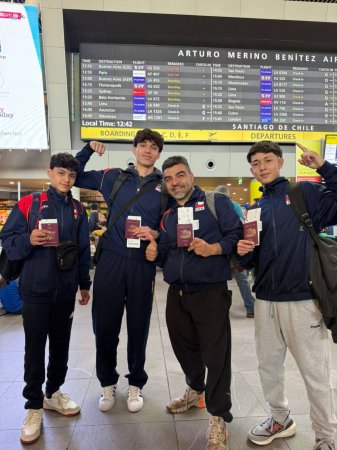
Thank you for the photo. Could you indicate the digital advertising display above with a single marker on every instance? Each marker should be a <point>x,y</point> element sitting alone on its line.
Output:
<point>22,108</point>
<point>206,94</point>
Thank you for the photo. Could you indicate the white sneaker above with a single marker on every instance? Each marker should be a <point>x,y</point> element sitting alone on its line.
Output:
<point>135,399</point>
<point>62,404</point>
<point>31,428</point>
<point>107,399</point>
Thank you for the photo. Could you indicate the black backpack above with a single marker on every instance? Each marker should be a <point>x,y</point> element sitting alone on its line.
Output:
<point>10,269</point>
<point>323,263</point>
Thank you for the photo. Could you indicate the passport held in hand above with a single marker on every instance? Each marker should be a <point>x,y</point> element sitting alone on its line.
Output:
<point>251,232</point>
<point>184,234</point>
<point>130,226</point>
<point>52,226</point>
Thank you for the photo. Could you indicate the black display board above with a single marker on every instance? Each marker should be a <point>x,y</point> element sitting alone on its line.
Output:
<point>206,94</point>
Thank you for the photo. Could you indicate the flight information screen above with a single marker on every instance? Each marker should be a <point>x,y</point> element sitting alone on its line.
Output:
<point>206,94</point>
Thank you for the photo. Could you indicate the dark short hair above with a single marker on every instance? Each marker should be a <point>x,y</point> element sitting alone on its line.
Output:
<point>149,135</point>
<point>66,161</point>
<point>264,147</point>
<point>94,206</point>
<point>173,161</point>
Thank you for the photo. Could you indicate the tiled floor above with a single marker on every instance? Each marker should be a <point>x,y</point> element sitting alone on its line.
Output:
<point>153,427</point>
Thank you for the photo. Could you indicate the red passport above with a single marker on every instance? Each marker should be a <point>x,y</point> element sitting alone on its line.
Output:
<point>251,232</point>
<point>50,225</point>
<point>130,227</point>
<point>184,234</point>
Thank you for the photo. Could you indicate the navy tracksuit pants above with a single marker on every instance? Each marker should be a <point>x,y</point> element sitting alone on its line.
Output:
<point>122,282</point>
<point>53,320</point>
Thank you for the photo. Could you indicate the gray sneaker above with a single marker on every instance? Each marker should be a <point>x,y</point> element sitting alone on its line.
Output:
<point>189,399</point>
<point>269,430</point>
<point>217,434</point>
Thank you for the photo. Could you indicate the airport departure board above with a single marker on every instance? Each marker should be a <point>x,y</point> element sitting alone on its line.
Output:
<point>206,94</point>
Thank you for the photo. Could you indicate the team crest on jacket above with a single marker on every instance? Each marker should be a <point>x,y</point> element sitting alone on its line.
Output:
<point>199,206</point>
<point>158,187</point>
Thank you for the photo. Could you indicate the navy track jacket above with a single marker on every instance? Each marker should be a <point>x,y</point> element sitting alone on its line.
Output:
<point>283,256</point>
<point>148,206</point>
<point>186,270</point>
<point>40,280</point>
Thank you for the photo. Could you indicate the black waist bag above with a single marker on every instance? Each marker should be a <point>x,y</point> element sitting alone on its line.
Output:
<point>67,255</point>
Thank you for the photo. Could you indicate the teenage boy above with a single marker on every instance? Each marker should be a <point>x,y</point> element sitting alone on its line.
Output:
<point>196,266</point>
<point>48,293</point>
<point>123,277</point>
<point>286,314</point>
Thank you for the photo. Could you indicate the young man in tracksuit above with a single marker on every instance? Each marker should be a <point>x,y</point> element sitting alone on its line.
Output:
<point>286,314</point>
<point>198,300</point>
<point>124,278</point>
<point>48,293</point>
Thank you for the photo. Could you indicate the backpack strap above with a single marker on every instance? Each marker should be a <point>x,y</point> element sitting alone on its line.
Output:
<point>209,196</point>
<point>122,176</point>
<point>164,199</point>
<point>298,205</point>
<point>34,210</point>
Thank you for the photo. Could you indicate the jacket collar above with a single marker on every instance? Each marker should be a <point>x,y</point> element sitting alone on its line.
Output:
<point>278,185</point>
<point>60,198</point>
<point>156,174</point>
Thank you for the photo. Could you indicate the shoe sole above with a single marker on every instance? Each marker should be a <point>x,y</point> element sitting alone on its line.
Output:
<point>135,410</point>
<point>286,433</point>
<point>200,403</point>
<point>103,409</point>
<point>71,414</point>
<point>28,442</point>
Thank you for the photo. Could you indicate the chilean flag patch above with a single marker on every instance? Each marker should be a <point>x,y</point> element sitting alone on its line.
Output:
<point>199,206</point>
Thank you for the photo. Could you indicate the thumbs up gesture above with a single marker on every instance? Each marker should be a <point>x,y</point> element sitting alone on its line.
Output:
<point>151,252</point>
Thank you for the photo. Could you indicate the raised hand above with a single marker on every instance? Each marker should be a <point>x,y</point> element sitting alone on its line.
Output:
<point>309,158</point>
<point>98,147</point>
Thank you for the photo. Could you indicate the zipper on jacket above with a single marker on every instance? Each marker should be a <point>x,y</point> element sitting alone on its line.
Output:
<point>181,265</point>
<point>275,240</point>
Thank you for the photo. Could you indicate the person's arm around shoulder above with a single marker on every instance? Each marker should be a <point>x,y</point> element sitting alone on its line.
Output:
<point>83,257</point>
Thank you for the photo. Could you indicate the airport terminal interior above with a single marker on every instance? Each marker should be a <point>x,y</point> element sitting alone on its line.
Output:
<point>268,71</point>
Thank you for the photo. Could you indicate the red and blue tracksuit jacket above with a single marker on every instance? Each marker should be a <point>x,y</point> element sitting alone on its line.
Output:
<point>190,272</point>
<point>40,280</point>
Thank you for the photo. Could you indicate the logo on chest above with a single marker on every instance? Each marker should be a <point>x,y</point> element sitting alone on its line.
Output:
<point>199,206</point>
